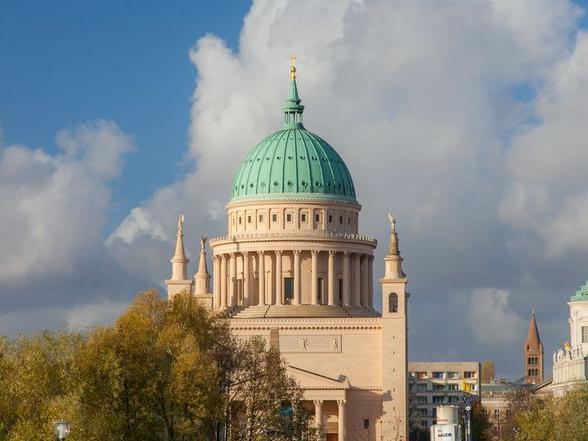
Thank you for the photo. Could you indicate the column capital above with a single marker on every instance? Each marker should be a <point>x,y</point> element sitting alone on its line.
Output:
<point>315,252</point>
<point>296,251</point>
<point>341,403</point>
<point>260,253</point>
<point>318,402</point>
<point>278,252</point>
<point>332,252</point>
<point>245,253</point>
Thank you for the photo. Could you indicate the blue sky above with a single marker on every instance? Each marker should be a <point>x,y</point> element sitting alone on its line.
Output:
<point>69,62</point>
<point>467,120</point>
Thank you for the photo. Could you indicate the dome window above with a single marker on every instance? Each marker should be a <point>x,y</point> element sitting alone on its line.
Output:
<point>276,183</point>
<point>302,157</point>
<point>304,183</point>
<point>290,183</point>
<point>262,184</point>
<point>278,157</point>
<point>290,157</point>
<point>259,159</point>
<point>251,185</point>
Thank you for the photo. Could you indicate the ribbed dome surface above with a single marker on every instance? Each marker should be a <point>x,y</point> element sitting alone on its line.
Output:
<point>293,163</point>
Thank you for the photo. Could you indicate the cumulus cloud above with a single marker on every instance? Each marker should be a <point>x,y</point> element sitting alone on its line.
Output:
<point>492,319</point>
<point>548,195</point>
<point>55,205</point>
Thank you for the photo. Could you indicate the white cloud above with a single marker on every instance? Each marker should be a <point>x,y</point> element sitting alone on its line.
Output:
<point>100,313</point>
<point>548,195</point>
<point>492,319</point>
<point>137,224</point>
<point>54,206</point>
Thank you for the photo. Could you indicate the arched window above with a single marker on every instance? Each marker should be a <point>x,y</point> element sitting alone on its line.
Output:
<point>393,302</point>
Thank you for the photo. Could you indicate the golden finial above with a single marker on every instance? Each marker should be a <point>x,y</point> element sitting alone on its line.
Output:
<point>292,67</point>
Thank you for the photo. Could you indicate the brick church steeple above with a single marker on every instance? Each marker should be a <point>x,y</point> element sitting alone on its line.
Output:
<point>533,352</point>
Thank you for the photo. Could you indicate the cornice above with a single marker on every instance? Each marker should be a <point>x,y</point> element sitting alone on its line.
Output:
<point>281,201</point>
<point>310,323</point>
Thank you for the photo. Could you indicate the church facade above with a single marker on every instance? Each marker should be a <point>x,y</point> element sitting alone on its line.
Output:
<point>570,363</point>
<point>295,270</point>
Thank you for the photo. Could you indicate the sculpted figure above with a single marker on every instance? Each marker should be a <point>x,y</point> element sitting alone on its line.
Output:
<point>181,224</point>
<point>203,240</point>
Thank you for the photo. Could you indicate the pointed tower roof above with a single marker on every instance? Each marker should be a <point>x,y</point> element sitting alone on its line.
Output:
<point>202,277</point>
<point>533,339</point>
<point>180,254</point>
<point>393,260</point>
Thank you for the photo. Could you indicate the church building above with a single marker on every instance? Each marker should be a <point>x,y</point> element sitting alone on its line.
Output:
<point>295,269</point>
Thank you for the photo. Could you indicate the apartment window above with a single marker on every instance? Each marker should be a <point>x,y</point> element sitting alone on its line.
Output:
<point>469,374</point>
<point>330,218</point>
<point>274,217</point>
<point>438,399</point>
<point>421,399</point>
<point>420,387</point>
<point>438,387</point>
<point>453,375</point>
<point>438,374</point>
<point>453,400</point>
<point>340,219</point>
<point>422,411</point>
<point>303,217</point>
<point>584,334</point>
<point>288,217</point>
<point>248,219</point>
<point>453,386</point>
<point>421,375</point>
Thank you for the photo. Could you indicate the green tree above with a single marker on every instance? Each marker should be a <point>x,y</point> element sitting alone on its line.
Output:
<point>166,370</point>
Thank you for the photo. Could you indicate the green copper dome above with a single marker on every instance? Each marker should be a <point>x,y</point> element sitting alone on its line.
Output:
<point>293,163</point>
<point>581,294</point>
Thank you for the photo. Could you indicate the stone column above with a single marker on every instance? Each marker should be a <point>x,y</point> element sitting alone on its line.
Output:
<point>346,280</point>
<point>331,278</point>
<point>342,432</point>
<point>223,281</point>
<point>318,414</point>
<point>246,299</point>
<point>233,280</point>
<point>279,278</point>
<point>356,280</point>
<point>261,278</point>
<point>364,280</point>
<point>371,281</point>
<point>314,278</point>
<point>269,287</point>
<point>216,289</point>
<point>296,300</point>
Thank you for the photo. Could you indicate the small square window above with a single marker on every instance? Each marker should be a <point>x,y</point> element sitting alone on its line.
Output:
<point>274,217</point>
<point>288,217</point>
<point>330,218</point>
<point>303,217</point>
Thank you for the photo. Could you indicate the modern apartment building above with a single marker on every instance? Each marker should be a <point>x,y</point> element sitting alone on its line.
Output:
<point>437,383</point>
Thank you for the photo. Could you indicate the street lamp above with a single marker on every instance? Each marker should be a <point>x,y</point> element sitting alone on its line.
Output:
<point>61,429</point>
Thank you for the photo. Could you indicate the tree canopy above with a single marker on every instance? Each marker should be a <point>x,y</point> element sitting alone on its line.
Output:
<point>166,370</point>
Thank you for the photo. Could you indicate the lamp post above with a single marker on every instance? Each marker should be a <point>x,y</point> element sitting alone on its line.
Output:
<point>62,429</point>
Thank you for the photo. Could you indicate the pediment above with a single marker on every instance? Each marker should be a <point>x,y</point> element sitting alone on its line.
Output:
<point>314,380</point>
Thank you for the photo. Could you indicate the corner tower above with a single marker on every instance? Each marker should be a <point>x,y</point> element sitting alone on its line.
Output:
<point>394,341</point>
<point>533,354</point>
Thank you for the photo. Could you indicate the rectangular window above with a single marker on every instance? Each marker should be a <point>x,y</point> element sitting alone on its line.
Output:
<point>288,289</point>
<point>240,220</point>
<point>469,374</point>
<point>330,218</point>
<point>248,219</point>
<point>438,374</point>
<point>438,399</point>
<point>303,217</point>
<point>319,291</point>
<point>274,217</point>
<point>453,386</point>
<point>288,217</point>
<point>261,218</point>
<point>421,399</point>
<point>584,334</point>
<point>420,387</point>
<point>340,219</point>
<point>453,375</point>
<point>421,375</point>
<point>317,218</point>
<point>438,387</point>
<point>349,221</point>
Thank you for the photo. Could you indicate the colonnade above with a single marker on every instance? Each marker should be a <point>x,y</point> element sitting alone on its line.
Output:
<point>352,286</point>
<point>319,419</point>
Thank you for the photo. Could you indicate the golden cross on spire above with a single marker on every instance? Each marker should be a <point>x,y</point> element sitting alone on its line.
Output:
<point>292,67</point>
